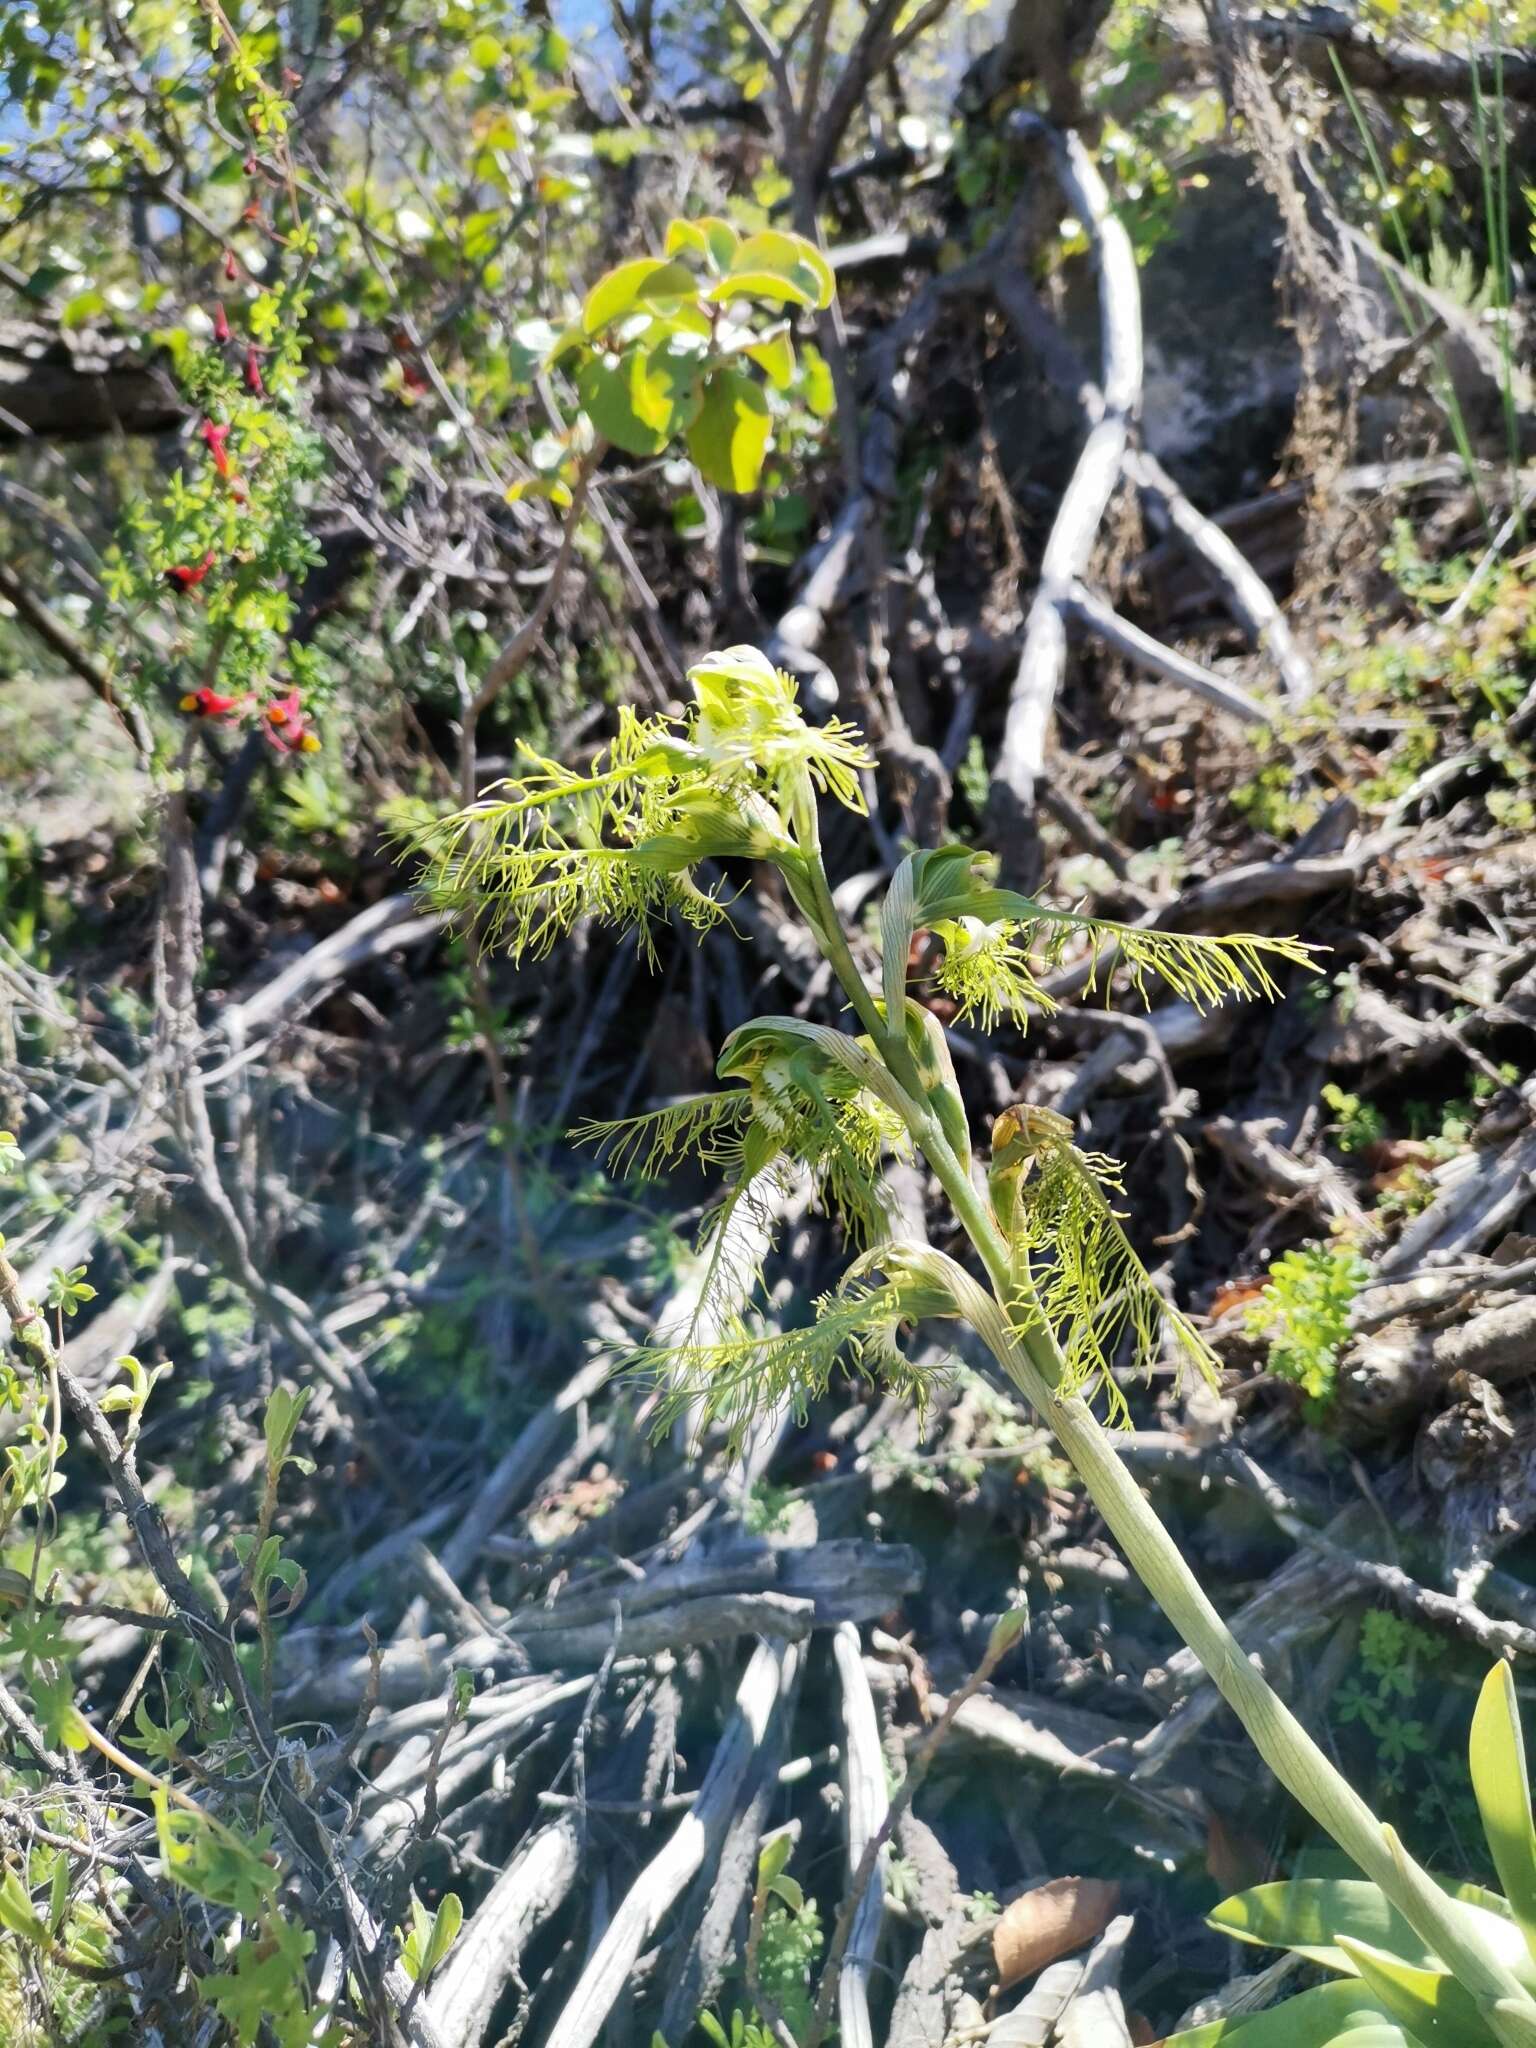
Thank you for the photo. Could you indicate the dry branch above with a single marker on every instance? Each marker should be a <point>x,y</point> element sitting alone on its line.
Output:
<point>1325,41</point>
<point>1101,617</point>
<point>1021,759</point>
<point>486,1956</point>
<point>769,1678</point>
<point>1240,584</point>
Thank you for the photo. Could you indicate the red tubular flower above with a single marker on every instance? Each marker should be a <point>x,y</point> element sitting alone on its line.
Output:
<point>231,268</point>
<point>186,577</point>
<point>216,439</point>
<point>220,325</point>
<point>208,703</point>
<point>249,167</point>
<point>253,382</point>
<point>286,727</point>
<point>412,380</point>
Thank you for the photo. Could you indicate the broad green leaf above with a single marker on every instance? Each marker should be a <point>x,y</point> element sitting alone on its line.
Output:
<point>643,282</point>
<point>285,1408</point>
<point>609,396</point>
<point>1503,1787</point>
<point>729,438</point>
<point>1310,1914</point>
<point>1344,2011</point>
<point>446,1922</point>
<point>788,1889</point>
<point>669,394</point>
<point>760,284</point>
<point>1429,2003</point>
<point>788,256</point>
<point>18,1913</point>
<point>775,357</point>
<point>710,237</point>
<point>820,396</point>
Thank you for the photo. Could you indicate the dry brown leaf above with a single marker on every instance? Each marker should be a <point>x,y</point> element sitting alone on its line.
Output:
<point>1049,1922</point>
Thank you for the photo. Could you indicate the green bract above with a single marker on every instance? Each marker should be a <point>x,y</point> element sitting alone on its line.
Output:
<point>997,943</point>
<point>1074,1266</point>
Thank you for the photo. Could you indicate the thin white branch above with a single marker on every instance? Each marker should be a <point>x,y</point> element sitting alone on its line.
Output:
<point>1021,760</point>
<point>1140,647</point>
<point>1247,595</point>
<point>768,1677</point>
<point>866,1805</point>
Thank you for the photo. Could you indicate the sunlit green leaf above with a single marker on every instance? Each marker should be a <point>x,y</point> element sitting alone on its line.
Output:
<point>648,280</point>
<point>1502,1784</point>
<point>775,357</point>
<point>1341,2012</point>
<point>1429,2003</point>
<point>730,437</point>
<point>619,404</point>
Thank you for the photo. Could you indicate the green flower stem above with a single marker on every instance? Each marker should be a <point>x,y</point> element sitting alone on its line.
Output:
<point>1279,1737</point>
<point>1028,1354</point>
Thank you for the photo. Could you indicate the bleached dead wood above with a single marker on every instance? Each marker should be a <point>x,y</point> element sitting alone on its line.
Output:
<point>518,1469</point>
<point>1480,1197</point>
<point>717,1913</point>
<point>783,1592</point>
<point>769,1677</point>
<point>1042,660</point>
<point>1395,1372</point>
<point>385,926</point>
<point>489,1950</point>
<point>1167,662</point>
<point>866,1803</point>
<point>1067,1742</point>
<point>1096,2016</point>
<point>1251,1147</point>
<point>1246,593</point>
<point>1243,590</point>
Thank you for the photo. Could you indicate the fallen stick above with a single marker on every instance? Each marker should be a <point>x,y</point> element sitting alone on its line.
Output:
<point>1070,1743</point>
<point>1021,760</point>
<point>1480,1197</point>
<point>769,1678</point>
<point>392,922</point>
<point>719,1908</point>
<point>1395,1373</point>
<point>520,1466</point>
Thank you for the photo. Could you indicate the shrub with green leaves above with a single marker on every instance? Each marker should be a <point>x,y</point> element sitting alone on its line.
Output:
<point>1304,1312</point>
<point>684,346</point>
